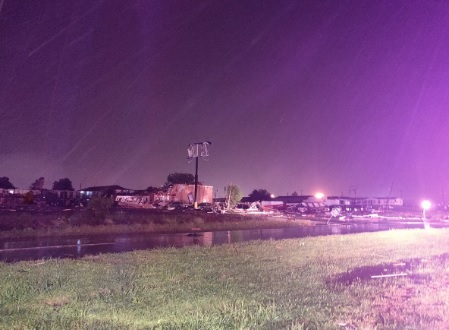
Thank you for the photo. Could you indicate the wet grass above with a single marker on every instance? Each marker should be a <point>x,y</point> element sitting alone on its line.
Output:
<point>310,283</point>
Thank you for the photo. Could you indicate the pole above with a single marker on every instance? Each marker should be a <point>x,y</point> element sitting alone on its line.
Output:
<point>197,150</point>
<point>442,195</point>
<point>229,195</point>
<point>195,204</point>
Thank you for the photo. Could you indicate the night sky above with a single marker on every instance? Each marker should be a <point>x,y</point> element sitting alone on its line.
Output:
<point>299,96</point>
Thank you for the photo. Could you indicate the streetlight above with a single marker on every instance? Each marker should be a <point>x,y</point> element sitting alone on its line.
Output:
<point>319,195</point>
<point>197,150</point>
<point>425,204</point>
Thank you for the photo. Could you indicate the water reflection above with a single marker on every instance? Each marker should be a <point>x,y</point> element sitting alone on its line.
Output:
<point>76,247</point>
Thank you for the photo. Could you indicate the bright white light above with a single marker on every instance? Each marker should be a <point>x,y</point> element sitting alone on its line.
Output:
<point>272,196</point>
<point>319,195</point>
<point>426,204</point>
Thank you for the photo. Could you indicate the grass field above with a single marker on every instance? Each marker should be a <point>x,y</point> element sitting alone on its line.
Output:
<point>312,283</point>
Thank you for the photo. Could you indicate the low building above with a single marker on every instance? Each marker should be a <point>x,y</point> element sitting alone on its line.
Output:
<point>384,202</point>
<point>114,190</point>
<point>337,201</point>
<point>291,200</point>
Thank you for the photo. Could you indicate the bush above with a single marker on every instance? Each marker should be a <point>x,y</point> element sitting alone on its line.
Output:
<point>18,221</point>
<point>98,209</point>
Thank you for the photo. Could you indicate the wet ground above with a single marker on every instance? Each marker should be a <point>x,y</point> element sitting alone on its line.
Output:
<point>407,267</point>
<point>417,271</point>
<point>76,247</point>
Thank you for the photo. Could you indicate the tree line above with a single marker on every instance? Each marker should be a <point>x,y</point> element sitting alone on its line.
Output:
<point>66,184</point>
<point>38,184</point>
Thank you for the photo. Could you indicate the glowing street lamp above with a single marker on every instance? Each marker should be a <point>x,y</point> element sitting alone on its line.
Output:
<point>319,195</point>
<point>426,204</point>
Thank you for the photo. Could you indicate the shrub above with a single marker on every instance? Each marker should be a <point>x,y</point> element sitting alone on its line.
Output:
<point>98,209</point>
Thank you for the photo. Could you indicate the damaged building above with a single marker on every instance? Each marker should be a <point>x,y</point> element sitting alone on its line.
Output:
<point>180,193</point>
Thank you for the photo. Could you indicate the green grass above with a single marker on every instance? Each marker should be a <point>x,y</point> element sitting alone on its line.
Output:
<point>290,284</point>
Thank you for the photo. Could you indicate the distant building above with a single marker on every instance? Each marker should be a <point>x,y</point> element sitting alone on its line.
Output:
<point>344,202</point>
<point>183,193</point>
<point>364,203</point>
<point>89,192</point>
<point>384,202</point>
<point>291,200</point>
<point>15,197</point>
<point>333,201</point>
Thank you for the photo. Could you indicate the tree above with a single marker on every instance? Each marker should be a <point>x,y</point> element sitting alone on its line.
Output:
<point>63,184</point>
<point>294,193</point>
<point>180,178</point>
<point>5,184</point>
<point>259,195</point>
<point>38,184</point>
<point>233,194</point>
<point>28,198</point>
<point>152,190</point>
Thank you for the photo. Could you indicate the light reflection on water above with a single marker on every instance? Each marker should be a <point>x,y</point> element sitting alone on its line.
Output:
<point>76,247</point>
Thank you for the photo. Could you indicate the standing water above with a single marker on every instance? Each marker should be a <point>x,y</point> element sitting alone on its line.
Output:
<point>76,247</point>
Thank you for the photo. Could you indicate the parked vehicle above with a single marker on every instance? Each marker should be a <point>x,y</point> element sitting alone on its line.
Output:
<point>174,206</point>
<point>207,207</point>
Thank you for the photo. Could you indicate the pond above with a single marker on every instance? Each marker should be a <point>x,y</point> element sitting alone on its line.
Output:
<point>76,247</point>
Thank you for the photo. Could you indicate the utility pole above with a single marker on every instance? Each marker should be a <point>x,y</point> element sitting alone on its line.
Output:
<point>442,195</point>
<point>229,195</point>
<point>197,150</point>
<point>354,189</point>
<point>389,196</point>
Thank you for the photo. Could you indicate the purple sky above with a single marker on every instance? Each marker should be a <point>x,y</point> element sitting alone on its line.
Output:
<point>294,95</point>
